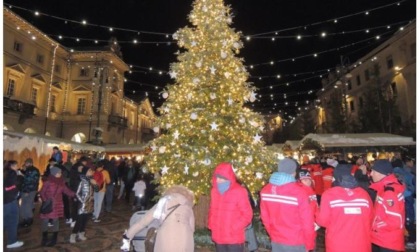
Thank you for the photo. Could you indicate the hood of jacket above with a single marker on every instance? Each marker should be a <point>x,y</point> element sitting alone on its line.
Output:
<point>225,170</point>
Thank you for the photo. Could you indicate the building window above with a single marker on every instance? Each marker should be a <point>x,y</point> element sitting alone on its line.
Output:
<point>367,75</point>
<point>17,46</point>
<point>11,87</point>
<point>52,104</point>
<point>34,95</point>
<point>389,62</point>
<point>361,102</point>
<point>413,50</point>
<point>84,72</point>
<point>57,68</point>
<point>81,106</point>
<point>351,106</point>
<point>349,85</point>
<point>40,59</point>
<point>359,82</point>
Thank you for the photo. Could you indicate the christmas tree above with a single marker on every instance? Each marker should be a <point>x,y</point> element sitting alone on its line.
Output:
<point>203,120</point>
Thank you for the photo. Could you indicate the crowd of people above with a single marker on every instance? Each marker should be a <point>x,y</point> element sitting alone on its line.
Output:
<point>361,206</point>
<point>78,191</point>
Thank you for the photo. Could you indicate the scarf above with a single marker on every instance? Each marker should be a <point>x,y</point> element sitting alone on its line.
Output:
<point>281,178</point>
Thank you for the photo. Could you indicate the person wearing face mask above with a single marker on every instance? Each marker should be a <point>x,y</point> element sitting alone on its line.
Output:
<point>230,210</point>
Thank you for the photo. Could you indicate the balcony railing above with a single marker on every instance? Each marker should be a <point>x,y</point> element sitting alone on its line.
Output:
<point>118,121</point>
<point>18,106</point>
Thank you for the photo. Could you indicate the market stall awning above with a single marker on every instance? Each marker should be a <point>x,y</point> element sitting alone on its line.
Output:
<point>17,141</point>
<point>355,140</point>
<point>125,147</point>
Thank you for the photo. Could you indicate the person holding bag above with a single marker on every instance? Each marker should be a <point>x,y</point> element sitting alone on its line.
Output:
<point>175,215</point>
<point>52,206</point>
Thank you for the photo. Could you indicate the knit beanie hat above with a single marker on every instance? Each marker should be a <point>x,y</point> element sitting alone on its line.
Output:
<point>382,166</point>
<point>54,170</point>
<point>287,165</point>
<point>303,174</point>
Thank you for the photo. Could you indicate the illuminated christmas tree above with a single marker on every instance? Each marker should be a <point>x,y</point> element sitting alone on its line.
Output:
<point>203,120</point>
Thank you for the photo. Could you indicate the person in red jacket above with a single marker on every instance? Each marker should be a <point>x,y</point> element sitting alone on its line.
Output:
<point>306,182</point>
<point>346,212</point>
<point>316,174</point>
<point>230,211</point>
<point>387,232</point>
<point>286,212</point>
<point>327,173</point>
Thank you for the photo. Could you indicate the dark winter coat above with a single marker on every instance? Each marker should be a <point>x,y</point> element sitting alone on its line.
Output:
<point>10,187</point>
<point>75,177</point>
<point>54,188</point>
<point>130,180</point>
<point>30,180</point>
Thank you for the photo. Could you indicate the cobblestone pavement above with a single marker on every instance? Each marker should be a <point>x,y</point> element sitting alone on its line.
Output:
<point>103,236</point>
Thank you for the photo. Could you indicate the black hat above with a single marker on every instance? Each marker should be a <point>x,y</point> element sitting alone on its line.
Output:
<point>382,166</point>
<point>303,174</point>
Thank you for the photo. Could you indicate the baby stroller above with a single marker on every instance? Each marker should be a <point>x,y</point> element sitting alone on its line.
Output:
<point>138,240</point>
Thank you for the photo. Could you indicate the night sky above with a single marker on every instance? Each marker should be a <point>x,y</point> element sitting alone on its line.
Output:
<point>152,23</point>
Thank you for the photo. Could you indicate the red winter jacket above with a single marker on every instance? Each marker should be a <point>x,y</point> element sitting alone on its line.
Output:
<point>54,188</point>
<point>388,225</point>
<point>287,215</point>
<point>230,213</point>
<point>327,178</point>
<point>312,197</point>
<point>347,216</point>
<point>316,174</point>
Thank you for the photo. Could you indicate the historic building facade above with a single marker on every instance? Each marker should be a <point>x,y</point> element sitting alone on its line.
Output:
<point>77,95</point>
<point>381,85</point>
